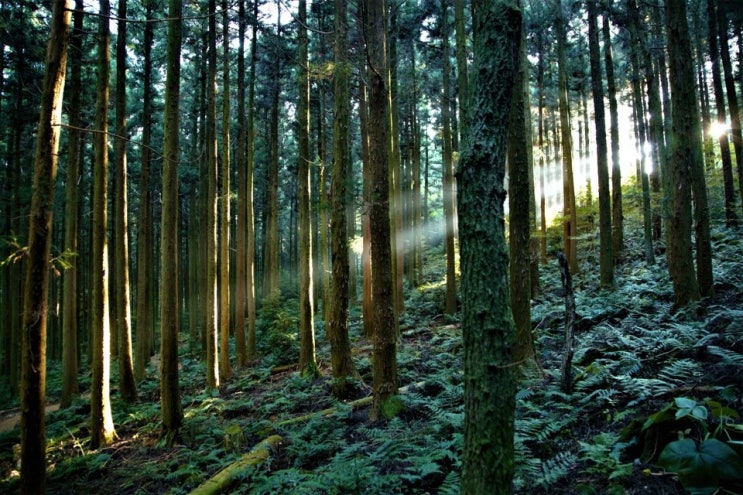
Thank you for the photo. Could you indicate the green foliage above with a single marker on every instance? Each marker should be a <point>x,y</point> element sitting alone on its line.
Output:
<point>702,466</point>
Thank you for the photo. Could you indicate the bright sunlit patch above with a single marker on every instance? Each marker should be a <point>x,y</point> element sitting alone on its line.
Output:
<point>717,129</point>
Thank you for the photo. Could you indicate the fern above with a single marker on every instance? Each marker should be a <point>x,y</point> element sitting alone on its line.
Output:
<point>727,356</point>
<point>555,468</point>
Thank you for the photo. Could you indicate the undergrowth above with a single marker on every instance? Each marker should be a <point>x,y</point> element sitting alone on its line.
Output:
<point>654,386</point>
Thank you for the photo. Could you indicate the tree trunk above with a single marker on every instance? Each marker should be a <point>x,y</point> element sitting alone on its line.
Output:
<point>487,324</point>
<point>685,146</point>
<point>570,218</point>
<point>102,428</point>
<point>617,215</point>
<point>307,363</point>
<point>72,207</point>
<point>340,347</point>
<point>448,167</point>
<point>122,308</point>
<point>170,396</point>
<point>519,141</point>
<point>385,336</point>
<point>367,306</point>
<point>225,370</point>
<point>35,296</point>
<point>249,216</point>
<point>210,214</point>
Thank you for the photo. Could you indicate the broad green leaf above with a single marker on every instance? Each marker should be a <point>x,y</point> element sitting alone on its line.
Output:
<point>702,465</point>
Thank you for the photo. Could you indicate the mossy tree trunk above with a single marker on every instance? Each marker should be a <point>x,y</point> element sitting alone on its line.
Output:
<point>36,289</point>
<point>170,397</point>
<point>487,324</point>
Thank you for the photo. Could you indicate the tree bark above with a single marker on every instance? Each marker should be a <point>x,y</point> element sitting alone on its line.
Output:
<point>448,167</point>
<point>487,324</point>
<point>35,296</point>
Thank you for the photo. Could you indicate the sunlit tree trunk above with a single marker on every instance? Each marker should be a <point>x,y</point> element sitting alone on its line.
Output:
<point>210,214</point>
<point>543,149</point>
<point>570,218</point>
<point>101,421</point>
<point>72,205</point>
<point>606,255</point>
<point>249,215</point>
<point>122,308</point>
<point>307,363</point>
<point>35,296</point>
<point>385,335</point>
<point>487,324</point>
<point>225,370</point>
<point>367,306</point>
<point>241,258</point>
<point>448,167</point>
<point>731,218</point>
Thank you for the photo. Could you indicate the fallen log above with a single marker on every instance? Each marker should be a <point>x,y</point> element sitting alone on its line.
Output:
<point>221,482</point>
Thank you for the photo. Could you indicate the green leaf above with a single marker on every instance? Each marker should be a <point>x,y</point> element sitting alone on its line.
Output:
<point>702,465</point>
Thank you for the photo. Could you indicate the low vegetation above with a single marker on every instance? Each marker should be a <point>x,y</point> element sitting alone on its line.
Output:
<point>655,409</point>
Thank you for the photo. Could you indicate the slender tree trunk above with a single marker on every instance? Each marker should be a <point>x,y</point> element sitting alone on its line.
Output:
<point>606,256</point>
<point>462,76</point>
<point>487,324</point>
<point>731,219</point>
<point>367,306</point>
<point>307,363</point>
<point>385,336</point>
<point>732,97</point>
<point>570,221</point>
<point>122,308</point>
<point>340,347</point>
<point>543,150</point>
<point>145,287</point>
<point>102,427</point>
<point>685,147</point>
<point>170,397</point>
<point>35,296</point>
<point>225,370</point>
<point>519,141</point>
<point>448,168</point>
<point>72,207</point>
<point>395,169</point>
<point>210,288</point>
<point>617,215</point>
<point>249,215</point>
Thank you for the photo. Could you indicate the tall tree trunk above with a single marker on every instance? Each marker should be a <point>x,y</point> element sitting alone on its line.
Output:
<point>448,167</point>
<point>384,367</point>
<point>340,347</point>
<point>570,216</point>
<point>685,147</point>
<point>462,76</point>
<point>241,260</point>
<point>606,256</point>
<point>307,363</point>
<point>519,141</point>
<point>210,214</point>
<point>367,306</point>
<point>72,206</point>
<point>249,215</point>
<point>487,324</point>
<point>101,421</point>
<point>170,397</point>
<point>144,311</point>
<point>395,169</point>
<point>35,296</point>
<point>225,370</point>
<point>543,149</point>
<point>122,308</point>
<point>617,215</point>
<point>732,97</point>
<point>731,219</point>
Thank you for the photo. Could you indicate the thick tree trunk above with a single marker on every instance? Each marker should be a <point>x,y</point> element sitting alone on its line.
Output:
<point>385,335</point>
<point>170,397</point>
<point>35,296</point>
<point>487,324</point>
<point>340,347</point>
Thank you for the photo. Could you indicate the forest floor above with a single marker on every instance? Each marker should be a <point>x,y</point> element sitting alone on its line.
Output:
<point>645,374</point>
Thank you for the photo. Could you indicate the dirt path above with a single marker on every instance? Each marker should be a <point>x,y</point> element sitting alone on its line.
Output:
<point>11,418</point>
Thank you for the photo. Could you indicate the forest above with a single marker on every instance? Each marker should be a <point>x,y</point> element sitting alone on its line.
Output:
<point>371,246</point>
